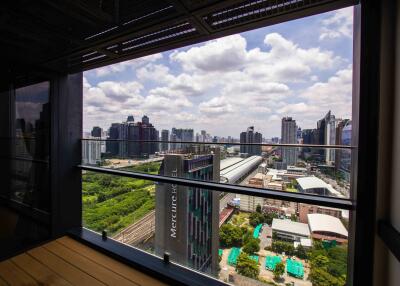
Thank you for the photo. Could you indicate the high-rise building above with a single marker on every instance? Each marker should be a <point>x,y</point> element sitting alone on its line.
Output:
<point>327,135</point>
<point>128,132</point>
<point>91,152</point>
<point>164,137</point>
<point>145,120</point>
<point>187,219</point>
<point>343,156</point>
<point>249,136</point>
<point>96,132</point>
<point>112,145</point>
<point>289,136</point>
<point>182,135</point>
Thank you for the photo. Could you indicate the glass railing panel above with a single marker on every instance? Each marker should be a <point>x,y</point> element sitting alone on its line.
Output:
<point>236,238</point>
<point>307,169</point>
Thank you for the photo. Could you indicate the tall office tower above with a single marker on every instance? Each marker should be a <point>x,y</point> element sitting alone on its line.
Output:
<point>141,131</point>
<point>289,136</point>
<point>112,147</point>
<point>145,120</point>
<point>250,137</point>
<point>183,135</point>
<point>187,219</point>
<point>96,132</point>
<point>299,137</point>
<point>173,146</point>
<point>327,135</point>
<point>91,152</point>
<point>130,118</point>
<point>343,156</point>
<point>164,137</point>
<point>243,136</point>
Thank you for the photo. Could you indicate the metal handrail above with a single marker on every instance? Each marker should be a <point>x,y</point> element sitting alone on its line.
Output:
<point>333,202</point>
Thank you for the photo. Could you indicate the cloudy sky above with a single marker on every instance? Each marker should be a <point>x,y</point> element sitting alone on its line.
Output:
<point>301,68</point>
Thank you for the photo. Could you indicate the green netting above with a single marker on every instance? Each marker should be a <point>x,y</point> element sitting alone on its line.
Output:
<point>233,255</point>
<point>257,230</point>
<point>220,252</point>
<point>295,268</point>
<point>271,262</point>
<point>254,257</point>
<point>328,244</point>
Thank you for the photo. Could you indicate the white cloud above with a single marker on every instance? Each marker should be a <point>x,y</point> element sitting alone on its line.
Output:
<point>216,106</point>
<point>340,24</point>
<point>228,53</point>
<point>224,86</point>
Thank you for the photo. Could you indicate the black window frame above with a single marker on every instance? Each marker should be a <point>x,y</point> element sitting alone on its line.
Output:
<point>362,200</point>
<point>66,170</point>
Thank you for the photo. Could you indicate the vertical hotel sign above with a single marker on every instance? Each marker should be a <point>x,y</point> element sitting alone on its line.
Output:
<point>174,204</point>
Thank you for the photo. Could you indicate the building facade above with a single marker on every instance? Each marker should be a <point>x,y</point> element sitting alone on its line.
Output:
<point>164,137</point>
<point>187,219</point>
<point>249,136</point>
<point>289,136</point>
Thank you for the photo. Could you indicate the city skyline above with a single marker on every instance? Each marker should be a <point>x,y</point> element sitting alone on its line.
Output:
<point>225,85</point>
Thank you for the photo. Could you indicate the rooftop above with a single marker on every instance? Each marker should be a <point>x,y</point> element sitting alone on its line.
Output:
<point>287,225</point>
<point>326,223</point>
<point>313,182</point>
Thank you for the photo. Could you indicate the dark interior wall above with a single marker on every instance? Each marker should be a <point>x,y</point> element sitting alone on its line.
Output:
<point>40,131</point>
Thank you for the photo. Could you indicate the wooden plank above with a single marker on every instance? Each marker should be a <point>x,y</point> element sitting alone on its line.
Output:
<point>112,264</point>
<point>2,282</point>
<point>96,270</point>
<point>63,268</point>
<point>39,271</point>
<point>13,275</point>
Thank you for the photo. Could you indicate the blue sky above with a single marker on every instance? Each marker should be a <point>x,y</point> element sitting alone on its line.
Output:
<point>300,68</point>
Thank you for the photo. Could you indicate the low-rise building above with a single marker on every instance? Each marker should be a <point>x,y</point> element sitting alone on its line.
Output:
<point>326,227</point>
<point>286,229</point>
<point>316,186</point>
<point>305,209</point>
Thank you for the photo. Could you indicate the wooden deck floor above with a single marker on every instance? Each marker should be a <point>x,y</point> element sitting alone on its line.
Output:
<point>68,262</point>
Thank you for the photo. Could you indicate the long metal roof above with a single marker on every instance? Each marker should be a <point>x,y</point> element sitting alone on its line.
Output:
<point>52,36</point>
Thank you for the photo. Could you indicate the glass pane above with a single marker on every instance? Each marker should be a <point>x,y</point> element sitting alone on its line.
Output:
<point>293,169</point>
<point>236,238</point>
<point>30,146</point>
<point>32,121</point>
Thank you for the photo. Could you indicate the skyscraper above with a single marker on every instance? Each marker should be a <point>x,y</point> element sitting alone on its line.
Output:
<point>327,135</point>
<point>96,132</point>
<point>187,219</point>
<point>130,131</point>
<point>250,137</point>
<point>181,135</point>
<point>164,137</point>
<point>289,136</point>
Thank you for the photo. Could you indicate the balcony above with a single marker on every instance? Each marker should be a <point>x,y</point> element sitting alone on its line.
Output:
<point>179,212</point>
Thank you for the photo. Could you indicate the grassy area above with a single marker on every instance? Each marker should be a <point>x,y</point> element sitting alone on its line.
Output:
<point>240,219</point>
<point>149,168</point>
<point>112,203</point>
<point>292,190</point>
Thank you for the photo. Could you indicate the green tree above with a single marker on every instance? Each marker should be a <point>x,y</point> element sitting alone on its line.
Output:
<point>230,235</point>
<point>320,277</point>
<point>321,261</point>
<point>258,208</point>
<point>283,246</point>
<point>247,267</point>
<point>301,252</point>
<point>255,219</point>
<point>268,217</point>
<point>252,246</point>
<point>279,270</point>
